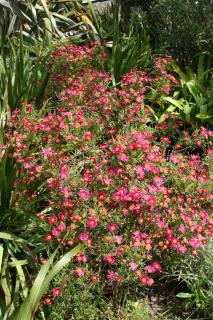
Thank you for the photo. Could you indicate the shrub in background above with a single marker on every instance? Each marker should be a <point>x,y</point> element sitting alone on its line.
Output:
<point>197,275</point>
<point>181,28</point>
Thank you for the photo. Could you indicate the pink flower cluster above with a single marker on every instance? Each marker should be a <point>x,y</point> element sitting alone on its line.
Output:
<point>94,172</point>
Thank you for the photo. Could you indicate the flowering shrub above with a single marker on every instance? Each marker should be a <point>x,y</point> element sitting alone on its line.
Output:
<point>95,173</point>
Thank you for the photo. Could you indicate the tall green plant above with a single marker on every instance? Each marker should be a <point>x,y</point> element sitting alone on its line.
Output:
<point>197,275</point>
<point>42,19</point>
<point>15,252</point>
<point>14,257</point>
<point>21,74</point>
<point>194,98</point>
<point>181,28</point>
<point>129,51</point>
<point>31,298</point>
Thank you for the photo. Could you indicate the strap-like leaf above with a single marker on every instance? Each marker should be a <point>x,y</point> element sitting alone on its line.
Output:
<point>5,4</point>
<point>12,237</point>
<point>1,256</point>
<point>21,276</point>
<point>41,284</point>
<point>176,103</point>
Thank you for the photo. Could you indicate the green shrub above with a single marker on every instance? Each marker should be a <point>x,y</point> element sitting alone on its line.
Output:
<point>182,28</point>
<point>197,275</point>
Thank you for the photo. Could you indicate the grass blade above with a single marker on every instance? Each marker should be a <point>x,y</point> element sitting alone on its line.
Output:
<point>42,281</point>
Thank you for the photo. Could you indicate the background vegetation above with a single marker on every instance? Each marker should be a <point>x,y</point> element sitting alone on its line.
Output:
<point>170,44</point>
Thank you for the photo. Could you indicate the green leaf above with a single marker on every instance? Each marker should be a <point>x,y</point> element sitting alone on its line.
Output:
<point>194,89</point>
<point>19,262</point>
<point>48,30</point>
<point>190,73</point>
<point>5,283</point>
<point>171,109</point>
<point>41,284</point>
<point>176,103</point>
<point>179,72</point>
<point>202,116</point>
<point>1,256</point>
<point>12,237</point>
<point>21,276</point>
<point>5,4</point>
<point>184,295</point>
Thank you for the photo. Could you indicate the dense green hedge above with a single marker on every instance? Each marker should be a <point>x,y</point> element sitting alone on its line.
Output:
<point>183,27</point>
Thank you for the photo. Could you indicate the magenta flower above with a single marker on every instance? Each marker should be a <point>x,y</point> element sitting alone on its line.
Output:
<point>88,136</point>
<point>123,157</point>
<point>56,232</point>
<point>48,151</point>
<point>79,272</point>
<point>112,227</point>
<point>156,265</point>
<point>81,258</point>
<point>194,243</point>
<point>111,276</point>
<point>56,292</point>
<point>182,228</point>
<point>52,219</point>
<point>68,203</point>
<point>150,268</point>
<point>118,239</point>
<point>64,172</point>
<point>182,249</point>
<point>67,193</point>
<point>62,216</point>
<point>139,170</point>
<point>151,201</point>
<point>84,194</point>
<point>133,266</point>
<point>92,222</point>
<point>109,259</point>
<point>62,226</point>
<point>84,236</point>
<point>108,181</point>
<point>174,242</point>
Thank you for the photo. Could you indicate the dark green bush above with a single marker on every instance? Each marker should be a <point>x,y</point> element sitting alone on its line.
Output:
<point>181,28</point>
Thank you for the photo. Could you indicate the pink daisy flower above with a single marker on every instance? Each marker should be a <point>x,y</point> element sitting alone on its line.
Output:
<point>151,201</point>
<point>84,194</point>
<point>81,258</point>
<point>79,272</point>
<point>112,227</point>
<point>62,216</point>
<point>56,232</point>
<point>67,193</point>
<point>118,239</point>
<point>150,268</point>
<point>56,292</point>
<point>133,266</point>
<point>62,226</point>
<point>52,219</point>
<point>182,249</point>
<point>64,172</point>
<point>123,157</point>
<point>92,222</point>
<point>84,236</point>
<point>111,275</point>
<point>48,151</point>
<point>109,259</point>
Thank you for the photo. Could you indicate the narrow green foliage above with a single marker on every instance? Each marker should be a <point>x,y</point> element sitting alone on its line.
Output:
<point>45,276</point>
<point>21,75</point>
<point>129,51</point>
<point>44,20</point>
<point>196,91</point>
